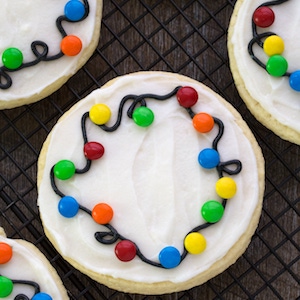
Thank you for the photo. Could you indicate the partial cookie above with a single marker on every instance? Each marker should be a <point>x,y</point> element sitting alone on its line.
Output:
<point>43,43</point>
<point>264,60</point>
<point>158,198</point>
<point>26,271</point>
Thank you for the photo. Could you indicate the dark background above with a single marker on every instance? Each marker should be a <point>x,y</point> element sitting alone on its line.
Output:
<point>186,37</point>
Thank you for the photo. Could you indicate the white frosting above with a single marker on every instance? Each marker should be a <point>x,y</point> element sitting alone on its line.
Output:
<point>274,94</point>
<point>25,264</point>
<point>27,21</point>
<point>151,178</point>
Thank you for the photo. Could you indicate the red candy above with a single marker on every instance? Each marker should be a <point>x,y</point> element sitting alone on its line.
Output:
<point>125,250</point>
<point>93,150</point>
<point>5,253</point>
<point>263,16</point>
<point>187,96</point>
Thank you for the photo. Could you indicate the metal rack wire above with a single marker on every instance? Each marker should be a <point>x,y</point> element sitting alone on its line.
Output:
<point>187,37</point>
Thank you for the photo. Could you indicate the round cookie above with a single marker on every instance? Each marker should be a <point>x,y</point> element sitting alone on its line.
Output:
<point>157,198</point>
<point>263,52</point>
<point>26,271</point>
<point>43,43</point>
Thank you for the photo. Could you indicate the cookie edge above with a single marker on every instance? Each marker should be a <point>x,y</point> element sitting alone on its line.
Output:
<point>222,264</point>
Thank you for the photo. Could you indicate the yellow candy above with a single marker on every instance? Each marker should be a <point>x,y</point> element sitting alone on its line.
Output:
<point>100,114</point>
<point>195,243</point>
<point>273,45</point>
<point>226,187</point>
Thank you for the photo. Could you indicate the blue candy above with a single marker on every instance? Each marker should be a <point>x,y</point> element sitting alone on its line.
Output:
<point>41,296</point>
<point>295,81</point>
<point>74,10</point>
<point>208,158</point>
<point>169,257</point>
<point>68,207</point>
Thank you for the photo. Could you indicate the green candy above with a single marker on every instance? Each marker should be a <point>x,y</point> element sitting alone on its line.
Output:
<point>212,211</point>
<point>277,65</point>
<point>143,116</point>
<point>6,286</point>
<point>12,58</point>
<point>64,169</point>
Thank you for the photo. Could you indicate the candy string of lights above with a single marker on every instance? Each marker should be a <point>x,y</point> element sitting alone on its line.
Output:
<point>102,213</point>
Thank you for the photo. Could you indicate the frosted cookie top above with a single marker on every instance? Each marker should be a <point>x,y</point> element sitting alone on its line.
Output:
<point>25,271</point>
<point>264,53</point>
<point>43,43</point>
<point>147,184</point>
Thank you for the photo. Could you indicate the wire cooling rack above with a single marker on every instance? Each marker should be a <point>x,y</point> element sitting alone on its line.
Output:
<point>186,37</point>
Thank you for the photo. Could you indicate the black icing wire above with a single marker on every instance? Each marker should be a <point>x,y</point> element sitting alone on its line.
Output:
<point>40,49</point>
<point>60,19</point>
<point>53,184</point>
<point>257,38</point>
<point>137,99</point>
<point>112,235</point>
<point>25,282</point>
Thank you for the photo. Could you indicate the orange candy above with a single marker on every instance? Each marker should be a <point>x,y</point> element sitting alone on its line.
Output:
<point>102,213</point>
<point>71,45</point>
<point>5,253</point>
<point>203,122</point>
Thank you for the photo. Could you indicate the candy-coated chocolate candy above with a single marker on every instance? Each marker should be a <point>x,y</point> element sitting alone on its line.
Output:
<point>71,45</point>
<point>100,114</point>
<point>203,122</point>
<point>212,211</point>
<point>68,207</point>
<point>102,213</point>
<point>12,58</point>
<point>74,10</point>
<point>93,150</point>
<point>187,96</point>
<point>263,16</point>
<point>277,65</point>
<point>5,253</point>
<point>125,250</point>
<point>6,286</point>
<point>295,81</point>
<point>169,257</point>
<point>226,187</point>
<point>143,116</point>
<point>64,169</point>
<point>195,243</point>
<point>41,296</point>
<point>209,158</point>
<point>273,44</point>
